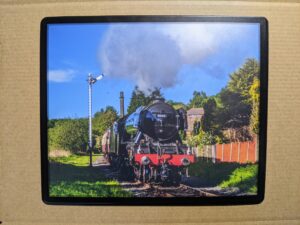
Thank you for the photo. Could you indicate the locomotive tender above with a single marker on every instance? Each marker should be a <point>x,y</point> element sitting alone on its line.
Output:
<point>146,144</point>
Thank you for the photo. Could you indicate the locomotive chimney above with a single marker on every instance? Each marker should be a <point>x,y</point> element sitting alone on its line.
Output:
<point>121,104</point>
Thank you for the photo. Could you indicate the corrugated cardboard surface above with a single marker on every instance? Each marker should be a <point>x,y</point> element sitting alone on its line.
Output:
<point>20,199</point>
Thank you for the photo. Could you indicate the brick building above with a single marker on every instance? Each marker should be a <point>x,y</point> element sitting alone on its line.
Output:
<point>193,115</point>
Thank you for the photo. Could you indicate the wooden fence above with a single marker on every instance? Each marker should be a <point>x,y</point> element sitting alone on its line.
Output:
<point>241,152</point>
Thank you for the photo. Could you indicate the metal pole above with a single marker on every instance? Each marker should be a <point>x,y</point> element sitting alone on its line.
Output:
<point>91,80</point>
<point>90,118</point>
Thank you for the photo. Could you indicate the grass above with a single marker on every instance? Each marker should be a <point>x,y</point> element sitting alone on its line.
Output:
<point>245,178</point>
<point>226,175</point>
<point>88,189</point>
<point>72,177</point>
<point>211,173</point>
<point>58,153</point>
<point>76,160</point>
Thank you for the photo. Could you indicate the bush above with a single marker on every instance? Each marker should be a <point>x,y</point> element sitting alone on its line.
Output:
<point>69,135</point>
<point>202,138</point>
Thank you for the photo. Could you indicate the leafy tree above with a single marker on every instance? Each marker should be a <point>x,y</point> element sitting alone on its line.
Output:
<point>209,122</point>
<point>236,97</point>
<point>52,122</point>
<point>235,112</point>
<point>254,120</point>
<point>69,135</point>
<point>198,99</point>
<point>203,138</point>
<point>242,80</point>
<point>139,98</point>
<point>177,105</point>
<point>234,108</point>
<point>103,120</point>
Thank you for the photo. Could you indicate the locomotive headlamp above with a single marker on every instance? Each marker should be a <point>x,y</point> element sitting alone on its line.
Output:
<point>185,162</point>
<point>145,160</point>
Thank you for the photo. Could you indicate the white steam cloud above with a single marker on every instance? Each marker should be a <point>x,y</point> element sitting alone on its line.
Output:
<point>152,54</point>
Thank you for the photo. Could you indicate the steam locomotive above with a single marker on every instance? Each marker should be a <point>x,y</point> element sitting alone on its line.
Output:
<point>146,144</point>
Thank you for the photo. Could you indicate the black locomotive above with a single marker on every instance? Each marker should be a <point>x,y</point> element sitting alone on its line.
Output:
<point>146,144</point>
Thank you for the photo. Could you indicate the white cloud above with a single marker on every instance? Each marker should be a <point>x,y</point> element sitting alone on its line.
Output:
<point>61,75</point>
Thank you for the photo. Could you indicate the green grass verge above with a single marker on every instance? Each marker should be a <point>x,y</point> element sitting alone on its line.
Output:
<point>245,178</point>
<point>72,177</point>
<point>75,160</point>
<point>226,175</point>
<point>88,189</point>
<point>211,173</point>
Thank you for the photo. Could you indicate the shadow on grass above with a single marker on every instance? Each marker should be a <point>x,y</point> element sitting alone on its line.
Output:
<point>212,174</point>
<point>67,180</point>
<point>67,172</point>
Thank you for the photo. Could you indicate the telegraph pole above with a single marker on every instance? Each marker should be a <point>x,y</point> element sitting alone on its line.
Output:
<point>91,80</point>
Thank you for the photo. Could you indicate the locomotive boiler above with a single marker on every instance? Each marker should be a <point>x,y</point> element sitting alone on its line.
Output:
<point>146,144</point>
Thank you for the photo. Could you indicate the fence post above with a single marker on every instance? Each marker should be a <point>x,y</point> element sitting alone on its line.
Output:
<point>213,153</point>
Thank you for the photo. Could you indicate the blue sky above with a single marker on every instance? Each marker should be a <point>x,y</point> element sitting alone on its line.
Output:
<point>179,58</point>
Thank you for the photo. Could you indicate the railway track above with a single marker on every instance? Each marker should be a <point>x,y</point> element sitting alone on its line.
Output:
<point>180,191</point>
<point>140,189</point>
<point>154,190</point>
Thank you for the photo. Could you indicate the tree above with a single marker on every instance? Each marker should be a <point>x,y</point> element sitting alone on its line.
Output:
<point>198,99</point>
<point>139,98</point>
<point>177,105</point>
<point>235,111</point>
<point>242,80</point>
<point>69,135</point>
<point>254,93</point>
<point>209,122</point>
<point>236,98</point>
<point>203,138</point>
<point>229,114</point>
<point>103,120</point>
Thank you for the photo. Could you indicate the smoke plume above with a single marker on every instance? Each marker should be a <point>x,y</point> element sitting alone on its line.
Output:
<point>152,54</point>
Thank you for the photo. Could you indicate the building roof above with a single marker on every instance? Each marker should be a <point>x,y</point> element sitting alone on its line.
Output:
<point>195,111</point>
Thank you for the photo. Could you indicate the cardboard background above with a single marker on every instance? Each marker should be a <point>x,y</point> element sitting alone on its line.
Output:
<point>20,190</point>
